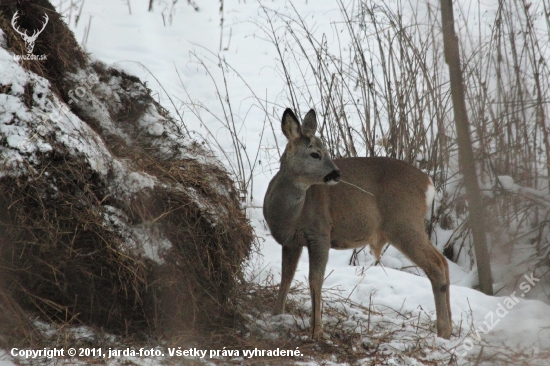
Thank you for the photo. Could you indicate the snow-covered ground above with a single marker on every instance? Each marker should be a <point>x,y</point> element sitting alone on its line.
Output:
<point>177,50</point>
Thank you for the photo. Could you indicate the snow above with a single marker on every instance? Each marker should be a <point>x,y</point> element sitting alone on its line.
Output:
<point>180,59</point>
<point>430,194</point>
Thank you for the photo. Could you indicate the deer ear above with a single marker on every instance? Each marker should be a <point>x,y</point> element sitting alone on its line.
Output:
<point>290,125</point>
<point>309,127</point>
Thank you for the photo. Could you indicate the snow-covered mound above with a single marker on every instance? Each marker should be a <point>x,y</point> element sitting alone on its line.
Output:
<point>110,215</point>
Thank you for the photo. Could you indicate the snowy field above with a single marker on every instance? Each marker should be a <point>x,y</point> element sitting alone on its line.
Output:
<point>177,51</point>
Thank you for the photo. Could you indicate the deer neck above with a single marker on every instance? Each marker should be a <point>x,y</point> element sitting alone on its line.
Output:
<point>283,206</point>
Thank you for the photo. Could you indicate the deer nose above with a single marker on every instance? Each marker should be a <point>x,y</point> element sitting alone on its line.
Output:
<point>332,177</point>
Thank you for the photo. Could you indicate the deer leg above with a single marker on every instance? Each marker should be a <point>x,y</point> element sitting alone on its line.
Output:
<point>291,255</point>
<point>415,245</point>
<point>440,287</point>
<point>448,298</point>
<point>318,257</point>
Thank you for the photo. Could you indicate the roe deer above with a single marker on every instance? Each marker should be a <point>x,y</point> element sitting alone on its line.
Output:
<point>386,201</point>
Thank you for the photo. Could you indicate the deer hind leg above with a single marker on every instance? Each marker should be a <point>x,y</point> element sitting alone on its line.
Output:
<point>318,257</point>
<point>414,244</point>
<point>291,255</point>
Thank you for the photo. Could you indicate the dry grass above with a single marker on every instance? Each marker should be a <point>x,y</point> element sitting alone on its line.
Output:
<point>365,334</point>
<point>380,86</point>
<point>64,264</point>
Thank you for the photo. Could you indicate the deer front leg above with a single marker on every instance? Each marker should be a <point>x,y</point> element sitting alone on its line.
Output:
<point>318,257</point>
<point>291,255</point>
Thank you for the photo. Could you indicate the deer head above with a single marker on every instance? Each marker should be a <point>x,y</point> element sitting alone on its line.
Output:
<point>29,40</point>
<point>305,156</point>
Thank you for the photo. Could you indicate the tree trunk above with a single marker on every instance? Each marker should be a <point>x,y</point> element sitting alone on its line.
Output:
<point>465,151</point>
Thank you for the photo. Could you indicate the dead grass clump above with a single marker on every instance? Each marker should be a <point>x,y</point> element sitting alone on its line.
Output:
<point>65,259</point>
<point>61,259</point>
<point>212,239</point>
<point>15,326</point>
<point>145,238</point>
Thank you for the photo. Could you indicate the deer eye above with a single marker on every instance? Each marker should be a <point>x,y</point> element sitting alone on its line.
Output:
<point>315,156</point>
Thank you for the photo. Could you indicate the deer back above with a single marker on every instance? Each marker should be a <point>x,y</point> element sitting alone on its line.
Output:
<point>375,196</point>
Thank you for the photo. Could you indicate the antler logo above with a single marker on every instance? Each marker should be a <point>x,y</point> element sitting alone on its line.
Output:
<point>29,40</point>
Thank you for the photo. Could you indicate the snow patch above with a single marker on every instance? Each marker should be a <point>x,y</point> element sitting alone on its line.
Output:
<point>430,194</point>
<point>145,238</point>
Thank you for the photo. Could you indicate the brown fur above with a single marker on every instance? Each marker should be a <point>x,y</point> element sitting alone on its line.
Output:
<point>383,200</point>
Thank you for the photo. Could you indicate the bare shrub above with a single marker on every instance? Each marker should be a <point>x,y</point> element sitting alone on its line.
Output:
<point>379,84</point>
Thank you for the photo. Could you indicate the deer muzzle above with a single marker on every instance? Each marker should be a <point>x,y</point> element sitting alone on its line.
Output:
<point>332,177</point>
